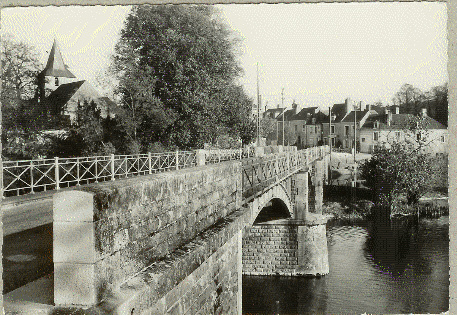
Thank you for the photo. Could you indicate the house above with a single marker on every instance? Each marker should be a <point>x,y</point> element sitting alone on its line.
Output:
<point>337,112</point>
<point>307,126</point>
<point>347,129</point>
<point>272,113</point>
<point>60,92</point>
<point>389,127</point>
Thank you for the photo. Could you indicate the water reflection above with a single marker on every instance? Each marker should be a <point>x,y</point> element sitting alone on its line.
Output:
<point>399,268</point>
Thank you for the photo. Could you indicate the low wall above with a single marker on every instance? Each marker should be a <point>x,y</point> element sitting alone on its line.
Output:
<point>105,234</point>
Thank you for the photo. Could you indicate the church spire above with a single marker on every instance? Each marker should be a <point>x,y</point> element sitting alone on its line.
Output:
<point>55,66</point>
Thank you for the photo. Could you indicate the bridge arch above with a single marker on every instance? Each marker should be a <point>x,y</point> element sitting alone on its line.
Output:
<point>277,198</point>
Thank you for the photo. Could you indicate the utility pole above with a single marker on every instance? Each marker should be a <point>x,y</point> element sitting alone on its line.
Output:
<point>354,185</point>
<point>283,112</point>
<point>330,142</point>
<point>258,107</point>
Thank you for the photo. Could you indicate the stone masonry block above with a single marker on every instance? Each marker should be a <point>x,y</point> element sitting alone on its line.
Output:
<point>74,284</point>
<point>73,242</point>
<point>74,205</point>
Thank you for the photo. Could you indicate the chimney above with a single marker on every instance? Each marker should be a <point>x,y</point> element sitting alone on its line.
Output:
<point>349,105</point>
<point>295,108</point>
<point>386,110</point>
<point>368,107</point>
<point>362,105</point>
<point>424,112</point>
<point>389,117</point>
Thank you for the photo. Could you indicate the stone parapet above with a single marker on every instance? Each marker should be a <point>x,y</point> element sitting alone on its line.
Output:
<point>106,233</point>
<point>202,277</point>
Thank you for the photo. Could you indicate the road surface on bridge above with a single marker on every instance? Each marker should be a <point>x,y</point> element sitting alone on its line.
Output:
<point>26,212</point>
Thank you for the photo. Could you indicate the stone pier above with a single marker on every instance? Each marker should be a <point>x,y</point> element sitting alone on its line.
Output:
<point>291,247</point>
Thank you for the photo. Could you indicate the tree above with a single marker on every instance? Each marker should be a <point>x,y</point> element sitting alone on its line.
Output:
<point>177,69</point>
<point>401,168</point>
<point>268,128</point>
<point>19,68</point>
<point>409,98</point>
<point>437,103</point>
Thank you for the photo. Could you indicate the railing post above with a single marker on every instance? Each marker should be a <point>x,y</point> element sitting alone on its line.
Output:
<point>126,166</point>
<point>96,170</point>
<point>288,160</point>
<point>177,160</point>
<point>78,179</point>
<point>31,178</point>
<point>112,168</point>
<point>150,163</point>
<point>3,180</point>
<point>57,175</point>
<point>201,157</point>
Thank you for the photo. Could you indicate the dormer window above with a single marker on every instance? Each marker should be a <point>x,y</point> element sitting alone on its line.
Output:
<point>376,125</point>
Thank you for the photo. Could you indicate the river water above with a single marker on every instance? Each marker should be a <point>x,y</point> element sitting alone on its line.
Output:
<point>395,269</point>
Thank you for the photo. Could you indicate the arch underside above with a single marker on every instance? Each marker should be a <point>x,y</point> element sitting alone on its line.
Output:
<point>274,204</point>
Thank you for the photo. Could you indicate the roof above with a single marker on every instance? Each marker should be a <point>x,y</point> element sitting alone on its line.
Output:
<point>400,121</point>
<point>350,117</point>
<point>288,114</point>
<point>55,66</point>
<point>271,112</point>
<point>305,113</point>
<point>60,96</point>
<point>321,118</point>
<point>339,110</point>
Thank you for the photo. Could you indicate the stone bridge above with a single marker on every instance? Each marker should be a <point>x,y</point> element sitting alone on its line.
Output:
<point>178,242</point>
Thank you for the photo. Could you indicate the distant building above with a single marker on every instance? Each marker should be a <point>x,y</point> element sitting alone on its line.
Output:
<point>272,113</point>
<point>389,127</point>
<point>60,92</point>
<point>307,126</point>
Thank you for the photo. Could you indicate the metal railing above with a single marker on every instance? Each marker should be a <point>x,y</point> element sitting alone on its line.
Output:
<point>260,174</point>
<point>217,156</point>
<point>30,176</point>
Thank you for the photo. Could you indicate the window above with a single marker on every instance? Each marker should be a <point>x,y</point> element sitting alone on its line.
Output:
<point>376,136</point>
<point>304,128</point>
<point>443,139</point>
<point>346,130</point>
<point>397,135</point>
<point>315,129</point>
<point>376,124</point>
<point>56,81</point>
<point>363,139</point>
<point>296,128</point>
<point>311,129</point>
<point>332,130</point>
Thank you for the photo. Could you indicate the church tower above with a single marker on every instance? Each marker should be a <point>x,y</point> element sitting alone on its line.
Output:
<point>54,74</point>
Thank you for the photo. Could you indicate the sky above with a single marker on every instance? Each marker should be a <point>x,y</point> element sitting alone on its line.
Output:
<point>319,53</point>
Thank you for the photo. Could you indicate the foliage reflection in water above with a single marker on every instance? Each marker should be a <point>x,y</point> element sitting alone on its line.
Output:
<point>400,268</point>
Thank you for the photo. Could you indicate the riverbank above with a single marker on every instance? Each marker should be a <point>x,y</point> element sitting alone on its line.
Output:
<point>342,202</point>
<point>345,202</point>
